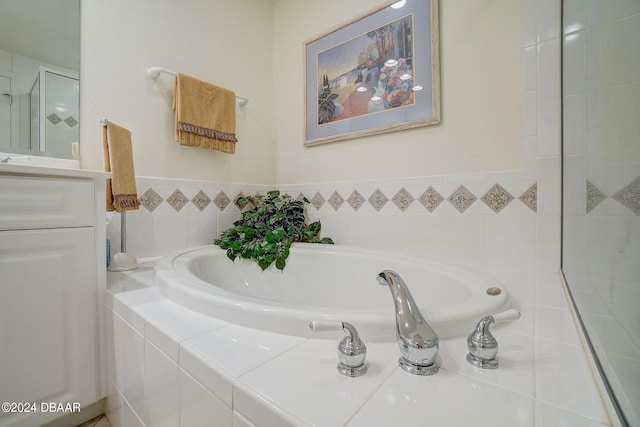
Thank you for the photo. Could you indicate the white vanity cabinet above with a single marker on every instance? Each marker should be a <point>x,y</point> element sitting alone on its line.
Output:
<point>50,286</point>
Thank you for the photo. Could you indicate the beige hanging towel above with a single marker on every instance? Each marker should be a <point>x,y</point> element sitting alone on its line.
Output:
<point>118,159</point>
<point>205,114</point>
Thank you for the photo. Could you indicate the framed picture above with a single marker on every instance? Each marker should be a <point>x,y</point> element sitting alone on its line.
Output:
<point>378,73</point>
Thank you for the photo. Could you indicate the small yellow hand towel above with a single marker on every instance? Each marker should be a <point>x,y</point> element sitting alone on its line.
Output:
<point>205,114</point>
<point>118,159</point>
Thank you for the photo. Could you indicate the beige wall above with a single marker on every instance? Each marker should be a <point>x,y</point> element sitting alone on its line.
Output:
<point>255,47</point>
<point>481,129</point>
<point>226,42</point>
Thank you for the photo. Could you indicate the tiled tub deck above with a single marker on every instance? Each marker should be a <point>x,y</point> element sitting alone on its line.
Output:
<point>170,366</point>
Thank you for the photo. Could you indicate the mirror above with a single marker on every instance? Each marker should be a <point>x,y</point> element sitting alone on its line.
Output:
<point>39,77</point>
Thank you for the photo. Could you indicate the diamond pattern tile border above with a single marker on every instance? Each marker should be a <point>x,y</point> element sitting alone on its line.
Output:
<point>378,200</point>
<point>530,197</point>
<point>335,201</point>
<point>201,200</point>
<point>356,200</point>
<point>629,196</point>
<point>222,201</point>
<point>318,201</point>
<point>462,198</point>
<point>177,200</point>
<point>594,197</point>
<point>430,199</point>
<point>403,199</point>
<point>150,200</point>
<point>497,198</point>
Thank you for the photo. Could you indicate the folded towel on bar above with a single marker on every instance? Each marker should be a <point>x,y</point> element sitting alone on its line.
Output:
<point>118,159</point>
<point>205,114</point>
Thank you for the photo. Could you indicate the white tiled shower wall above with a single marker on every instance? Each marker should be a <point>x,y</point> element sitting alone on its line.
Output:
<point>515,239</point>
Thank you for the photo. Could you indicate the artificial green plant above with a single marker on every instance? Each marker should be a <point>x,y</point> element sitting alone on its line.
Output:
<point>270,224</point>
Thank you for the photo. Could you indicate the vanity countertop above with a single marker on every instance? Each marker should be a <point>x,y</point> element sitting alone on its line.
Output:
<point>255,377</point>
<point>36,170</point>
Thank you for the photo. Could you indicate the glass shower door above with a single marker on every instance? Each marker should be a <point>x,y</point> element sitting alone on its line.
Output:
<point>55,113</point>
<point>601,187</point>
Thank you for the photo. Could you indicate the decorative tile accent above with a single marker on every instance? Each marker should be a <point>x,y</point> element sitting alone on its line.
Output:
<point>403,199</point>
<point>594,196</point>
<point>317,201</point>
<point>54,118</point>
<point>462,198</point>
<point>356,200</point>
<point>235,201</point>
<point>530,197</point>
<point>497,198</point>
<point>629,196</point>
<point>378,200</point>
<point>150,200</point>
<point>430,199</point>
<point>222,201</point>
<point>336,201</point>
<point>201,200</point>
<point>71,121</point>
<point>177,200</point>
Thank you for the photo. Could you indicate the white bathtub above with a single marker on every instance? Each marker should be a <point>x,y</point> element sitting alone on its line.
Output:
<point>328,282</point>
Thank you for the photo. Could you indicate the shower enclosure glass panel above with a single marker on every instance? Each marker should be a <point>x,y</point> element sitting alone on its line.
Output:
<point>54,113</point>
<point>601,187</point>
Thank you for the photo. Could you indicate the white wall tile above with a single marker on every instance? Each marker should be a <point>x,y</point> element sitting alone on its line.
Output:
<point>161,388</point>
<point>237,348</point>
<point>314,362</point>
<point>574,124</point>
<point>130,417</point>
<point>130,356</point>
<point>114,409</point>
<point>169,324</point>
<point>548,244</point>
<point>561,370</point>
<point>548,19</point>
<point>141,235</point>
<point>549,187</point>
<point>433,396</point>
<point>548,77</point>
<point>573,63</point>
<point>556,324</point>
<point>548,127</point>
<point>609,336</point>
<point>240,421</point>
<point>511,242</point>
<point>198,407</point>
<point>515,351</point>
<point>203,229</point>
<point>172,233</point>
<point>548,415</point>
<point>530,113</point>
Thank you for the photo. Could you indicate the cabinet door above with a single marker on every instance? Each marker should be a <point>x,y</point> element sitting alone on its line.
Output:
<point>47,320</point>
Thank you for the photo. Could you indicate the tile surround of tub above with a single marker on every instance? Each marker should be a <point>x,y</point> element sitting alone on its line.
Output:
<point>410,215</point>
<point>245,377</point>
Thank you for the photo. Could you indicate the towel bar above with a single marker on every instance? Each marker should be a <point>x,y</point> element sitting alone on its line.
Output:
<point>154,73</point>
<point>121,261</point>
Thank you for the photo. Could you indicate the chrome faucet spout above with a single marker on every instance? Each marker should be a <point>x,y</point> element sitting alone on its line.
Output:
<point>418,343</point>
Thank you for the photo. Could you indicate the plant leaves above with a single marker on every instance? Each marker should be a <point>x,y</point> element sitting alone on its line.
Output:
<point>269,225</point>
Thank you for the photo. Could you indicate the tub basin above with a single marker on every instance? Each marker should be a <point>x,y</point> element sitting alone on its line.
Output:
<point>327,282</point>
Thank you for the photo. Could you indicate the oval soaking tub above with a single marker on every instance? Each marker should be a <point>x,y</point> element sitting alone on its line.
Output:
<point>327,282</point>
